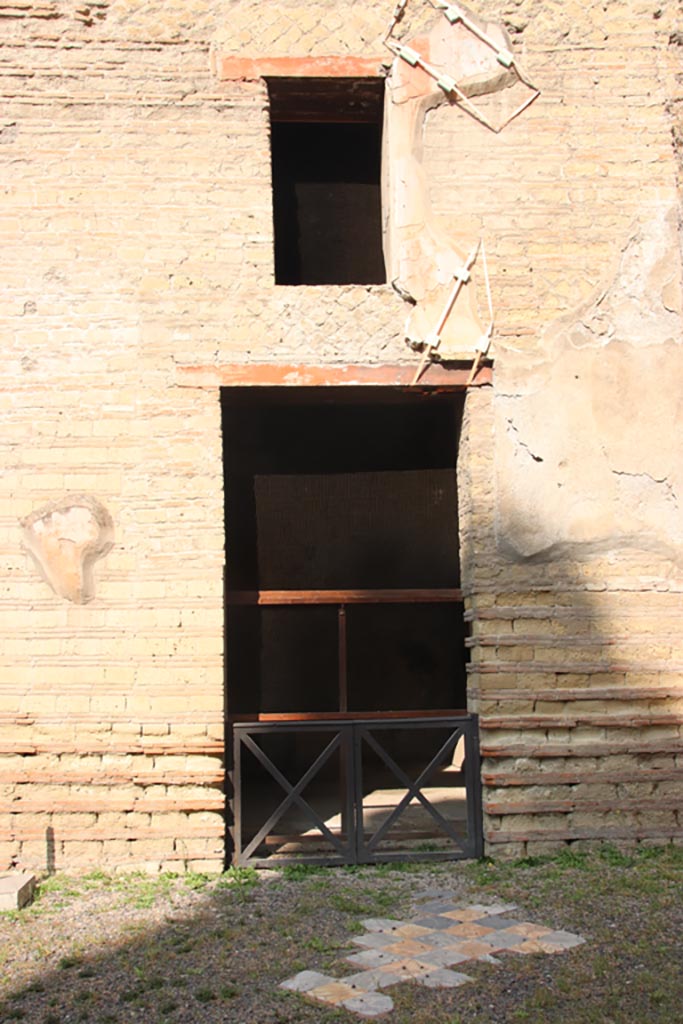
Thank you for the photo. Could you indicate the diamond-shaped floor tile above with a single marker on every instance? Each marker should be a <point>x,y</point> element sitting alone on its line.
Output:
<point>334,992</point>
<point>371,958</point>
<point>424,950</point>
<point>375,940</point>
<point>496,921</point>
<point>434,921</point>
<point>305,980</point>
<point>369,1004</point>
<point>443,979</point>
<point>561,940</point>
<point>381,924</point>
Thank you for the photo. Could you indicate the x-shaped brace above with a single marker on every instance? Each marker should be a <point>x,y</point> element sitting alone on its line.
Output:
<point>293,793</point>
<point>505,58</point>
<point>414,789</point>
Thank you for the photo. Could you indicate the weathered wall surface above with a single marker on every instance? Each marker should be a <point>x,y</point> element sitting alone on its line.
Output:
<point>576,558</point>
<point>137,240</point>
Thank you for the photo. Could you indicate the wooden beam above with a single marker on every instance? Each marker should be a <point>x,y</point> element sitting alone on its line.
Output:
<point>271,375</point>
<point>343,716</point>
<point>229,68</point>
<point>441,595</point>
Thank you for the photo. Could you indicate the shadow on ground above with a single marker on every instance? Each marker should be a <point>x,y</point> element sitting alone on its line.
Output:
<point>198,951</point>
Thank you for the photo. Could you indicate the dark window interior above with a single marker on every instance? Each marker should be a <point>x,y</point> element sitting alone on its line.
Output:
<point>341,488</point>
<point>326,138</point>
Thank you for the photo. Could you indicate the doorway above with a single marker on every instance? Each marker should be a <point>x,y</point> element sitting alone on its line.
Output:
<point>345,646</point>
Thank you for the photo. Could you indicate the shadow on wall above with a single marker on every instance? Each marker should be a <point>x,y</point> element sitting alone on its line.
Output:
<point>578,668</point>
<point>579,647</point>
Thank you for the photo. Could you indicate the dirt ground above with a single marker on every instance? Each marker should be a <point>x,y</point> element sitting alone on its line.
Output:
<point>202,950</point>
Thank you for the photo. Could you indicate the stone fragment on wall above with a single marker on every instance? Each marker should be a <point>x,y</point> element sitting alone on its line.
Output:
<point>65,539</point>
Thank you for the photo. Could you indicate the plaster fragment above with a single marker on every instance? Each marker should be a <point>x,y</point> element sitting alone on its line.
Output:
<point>65,539</point>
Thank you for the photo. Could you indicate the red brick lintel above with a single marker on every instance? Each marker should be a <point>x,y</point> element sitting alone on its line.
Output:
<point>275,375</point>
<point>229,68</point>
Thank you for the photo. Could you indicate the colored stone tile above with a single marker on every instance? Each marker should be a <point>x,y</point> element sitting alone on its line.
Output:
<point>393,977</point>
<point>411,969</point>
<point>381,924</point>
<point>469,930</point>
<point>366,981</point>
<point>562,940</point>
<point>443,979</point>
<point>371,958</point>
<point>439,905</point>
<point>424,950</point>
<point>412,931</point>
<point>465,913</point>
<point>409,947</point>
<point>531,931</point>
<point>334,992</point>
<point>495,921</point>
<point>528,946</point>
<point>444,940</point>
<point>305,980</point>
<point>495,909</point>
<point>444,957</point>
<point>375,940</point>
<point>434,921</point>
<point>503,939</point>
<point>369,1004</point>
<point>473,948</point>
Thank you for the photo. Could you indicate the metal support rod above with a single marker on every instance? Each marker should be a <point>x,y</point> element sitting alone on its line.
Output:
<point>343,666</point>
<point>432,341</point>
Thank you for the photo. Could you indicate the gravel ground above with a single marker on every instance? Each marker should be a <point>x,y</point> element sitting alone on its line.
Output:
<point>198,950</point>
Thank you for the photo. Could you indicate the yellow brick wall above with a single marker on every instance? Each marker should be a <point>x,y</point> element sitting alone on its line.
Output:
<point>136,223</point>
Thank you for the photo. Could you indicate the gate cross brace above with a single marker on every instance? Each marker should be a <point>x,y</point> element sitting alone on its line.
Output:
<point>413,788</point>
<point>293,792</point>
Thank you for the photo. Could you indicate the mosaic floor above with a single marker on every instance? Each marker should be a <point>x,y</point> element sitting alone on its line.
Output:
<point>424,950</point>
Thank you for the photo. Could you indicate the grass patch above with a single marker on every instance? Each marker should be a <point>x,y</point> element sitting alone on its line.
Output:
<point>159,963</point>
<point>300,872</point>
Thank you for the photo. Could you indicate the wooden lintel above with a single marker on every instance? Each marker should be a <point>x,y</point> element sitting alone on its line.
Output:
<point>345,716</point>
<point>277,375</point>
<point>287,597</point>
<point>229,68</point>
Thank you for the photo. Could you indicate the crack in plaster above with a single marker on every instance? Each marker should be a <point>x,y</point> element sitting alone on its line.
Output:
<point>522,444</point>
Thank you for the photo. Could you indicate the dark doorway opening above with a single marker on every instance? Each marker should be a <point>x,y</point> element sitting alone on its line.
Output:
<point>326,138</point>
<point>342,591</point>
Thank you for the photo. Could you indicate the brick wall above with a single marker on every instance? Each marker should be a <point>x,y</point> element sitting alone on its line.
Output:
<point>137,241</point>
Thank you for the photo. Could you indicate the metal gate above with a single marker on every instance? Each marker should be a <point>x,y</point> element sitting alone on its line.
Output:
<point>344,789</point>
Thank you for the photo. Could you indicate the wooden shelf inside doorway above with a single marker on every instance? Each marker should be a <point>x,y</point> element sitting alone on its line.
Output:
<point>340,598</point>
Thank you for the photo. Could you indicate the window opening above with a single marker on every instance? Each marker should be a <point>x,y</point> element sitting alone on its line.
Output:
<point>326,140</point>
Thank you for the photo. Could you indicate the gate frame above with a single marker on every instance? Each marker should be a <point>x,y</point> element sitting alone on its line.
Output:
<point>350,731</point>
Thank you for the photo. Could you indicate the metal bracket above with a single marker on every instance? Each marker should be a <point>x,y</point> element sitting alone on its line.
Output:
<point>433,340</point>
<point>446,82</point>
